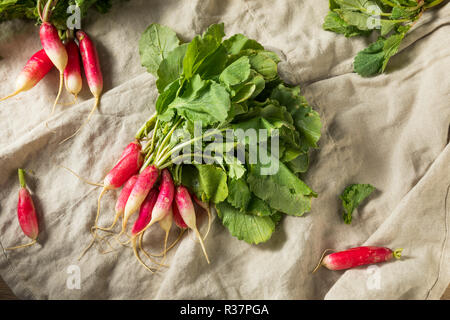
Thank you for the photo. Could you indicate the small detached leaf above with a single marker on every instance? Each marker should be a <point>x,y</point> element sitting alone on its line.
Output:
<point>351,198</point>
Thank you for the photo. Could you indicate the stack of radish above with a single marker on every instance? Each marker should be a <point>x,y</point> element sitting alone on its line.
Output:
<point>149,195</point>
<point>65,57</point>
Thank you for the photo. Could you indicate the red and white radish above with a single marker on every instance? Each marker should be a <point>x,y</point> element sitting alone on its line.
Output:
<point>35,69</point>
<point>94,77</point>
<point>72,72</point>
<point>26,213</point>
<point>177,218</point>
<point>53,46</point>
<point>358,256</point>
<point>187,212</point>
<point>142,187</point>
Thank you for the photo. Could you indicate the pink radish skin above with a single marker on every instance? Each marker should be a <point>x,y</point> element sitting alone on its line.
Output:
<point>35,69</point>
<point>359,256</point>
<point>55,50</point>
<point>91,65</point>
<point>144,184</point>
<point>26,213</point>
<point>145,215</point>
<point>123,170</point>
<point>186,208</point>
<point>132,147</point>
<point>145,212</point>
<point>72,72</point>
<point>177,217</point>
<point>124,195</point>
<point>165,197</point>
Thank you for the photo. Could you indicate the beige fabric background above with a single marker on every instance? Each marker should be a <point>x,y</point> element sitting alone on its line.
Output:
<point>390,131</point>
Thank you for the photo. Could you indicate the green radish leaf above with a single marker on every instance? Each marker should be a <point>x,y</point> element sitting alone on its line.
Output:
<point>258,207</point>
<point>213,183</point>
<point>171,68</point>
<point>236,73</point>
<point>204,101</point>
<point>352,197</point>
<point>251,228</point>
<point>155,44</point>
<point>238,42</point>
<point>373,59</point>
<point>200,48</point>
<point>283,191</point>
<point>239,194</point>
<point>333,22</point>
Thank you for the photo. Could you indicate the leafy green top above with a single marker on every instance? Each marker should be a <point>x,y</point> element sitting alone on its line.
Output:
<point>392,18</point>
<point>230,84</point>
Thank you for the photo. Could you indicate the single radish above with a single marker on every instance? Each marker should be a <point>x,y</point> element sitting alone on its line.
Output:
<point>53,46</point>
<point>163,205</point>
<point>35,69</point>
<point>72,72</point>
<point>142,187</point>
<point>26,213</point>
<point>187,212</point>
<point>92,70</point>
<point>145,215</point>
<point>358,256</point>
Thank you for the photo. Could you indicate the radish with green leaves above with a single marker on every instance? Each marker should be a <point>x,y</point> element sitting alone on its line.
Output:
<point>26,213</point>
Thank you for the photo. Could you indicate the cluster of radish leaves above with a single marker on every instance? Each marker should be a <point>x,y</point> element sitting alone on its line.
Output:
<point>26,9</point>
<point>231,84</point>
<point>392,19</point>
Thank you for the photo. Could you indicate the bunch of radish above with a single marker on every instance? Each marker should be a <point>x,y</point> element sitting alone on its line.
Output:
<point>65,57</point>
<point>149,195</point>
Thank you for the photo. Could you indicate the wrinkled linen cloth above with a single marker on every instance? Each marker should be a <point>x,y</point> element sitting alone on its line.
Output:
<point>390,131</point>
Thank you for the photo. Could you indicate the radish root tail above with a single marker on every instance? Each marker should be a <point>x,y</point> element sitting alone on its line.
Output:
<point>136,253</point>
<point>172,245</point>
<point>202,244</point>
<point>148,255</point>
<point>97,100</point>
<point>11,95</point>
<point>321,259</point>
<point>94,233</point>
<point>81,178</point>
<point>22,245</point>
<point>61,82</point>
